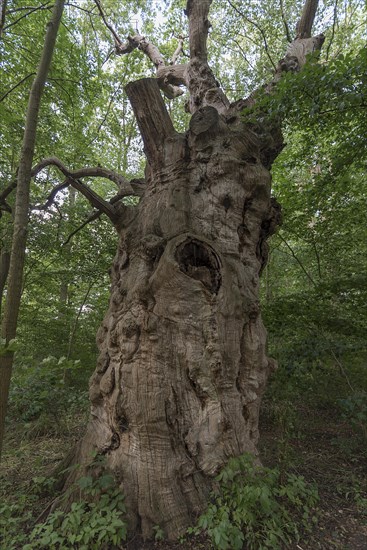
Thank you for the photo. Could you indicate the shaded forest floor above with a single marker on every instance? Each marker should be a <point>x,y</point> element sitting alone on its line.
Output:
<point>327,451</point>
<point>314,443</point>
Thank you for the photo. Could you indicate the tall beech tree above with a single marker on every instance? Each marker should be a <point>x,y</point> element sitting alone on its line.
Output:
<point>17,257</point>
<point>183,364</point>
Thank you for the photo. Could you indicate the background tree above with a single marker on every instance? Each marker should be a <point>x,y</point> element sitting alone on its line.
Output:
<point>16,266</point>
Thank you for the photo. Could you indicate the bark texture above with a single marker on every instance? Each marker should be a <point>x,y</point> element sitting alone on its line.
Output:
<point>182,363</point>
<point>304,25</point>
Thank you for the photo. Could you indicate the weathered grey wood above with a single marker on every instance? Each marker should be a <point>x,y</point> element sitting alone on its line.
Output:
<point>94,199</point>
<point>169,77</point>
<point>202,85</point>
<point>183,362</point>
<point>154,122</point>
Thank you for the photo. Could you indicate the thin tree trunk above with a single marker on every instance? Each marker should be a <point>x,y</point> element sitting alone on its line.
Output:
<point>4,270</point>
<point>9,325</point>
<point>76,321</point>
<point>65,284</point>
<point>2,15</point>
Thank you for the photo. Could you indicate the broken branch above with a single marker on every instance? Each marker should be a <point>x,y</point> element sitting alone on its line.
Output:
<point>154,122</point>
<point>202,84</point>
<point>304,25</point>
<point>169,77</point>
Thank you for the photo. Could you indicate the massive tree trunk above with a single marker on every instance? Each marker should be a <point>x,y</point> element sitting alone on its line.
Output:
<point>183,363</point>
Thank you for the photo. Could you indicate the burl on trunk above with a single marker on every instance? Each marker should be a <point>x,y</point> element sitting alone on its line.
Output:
<point>183,362</point>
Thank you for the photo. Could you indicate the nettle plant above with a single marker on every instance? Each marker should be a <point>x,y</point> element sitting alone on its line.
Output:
<point>252,505</point>
<point>94,522</point>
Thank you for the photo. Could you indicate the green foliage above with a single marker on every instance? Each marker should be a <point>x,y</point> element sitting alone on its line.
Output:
<point>45,389</point>
<point>320,95</point>
<point>252,505</point>
<point>95,520</point>
<point>42,485</point>
<point>355,490</point>
<point>359,494</point>
<point>13,522</point>
<point>158,532</point>
<point>5,348</point>
<point>314,291</point>
<point>354,409</point>
<point>284,416</point>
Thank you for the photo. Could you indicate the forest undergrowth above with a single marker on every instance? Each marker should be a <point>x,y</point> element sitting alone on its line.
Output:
<point>308,436</point>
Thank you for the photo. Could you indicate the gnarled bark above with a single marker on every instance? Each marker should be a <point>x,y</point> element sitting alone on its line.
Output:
<point>182,363</point>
